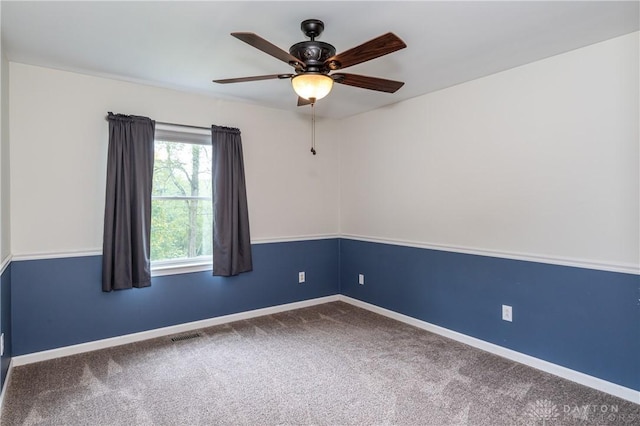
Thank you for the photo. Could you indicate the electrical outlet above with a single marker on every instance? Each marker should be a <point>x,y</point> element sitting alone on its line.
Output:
<point>361,279</point>
<point>301,277</point>
<point>507,313</point>
<point>2,344</point>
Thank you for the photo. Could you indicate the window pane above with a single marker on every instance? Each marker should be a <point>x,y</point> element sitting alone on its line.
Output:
<point>181,229</point>
<point>182,169</point>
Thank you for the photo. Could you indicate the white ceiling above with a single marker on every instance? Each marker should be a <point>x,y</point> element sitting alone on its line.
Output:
<point>185,45</point>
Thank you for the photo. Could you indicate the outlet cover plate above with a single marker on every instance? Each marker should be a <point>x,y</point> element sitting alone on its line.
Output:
<point>507,313</point>
<point>301,277</point>
<point>361,279</point>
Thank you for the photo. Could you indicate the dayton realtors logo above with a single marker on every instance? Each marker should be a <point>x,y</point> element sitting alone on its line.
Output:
<point>545,412</point>
<point>600,413</point>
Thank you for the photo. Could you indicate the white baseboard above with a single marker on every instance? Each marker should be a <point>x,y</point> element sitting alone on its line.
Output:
<point>539,364</point>
<point>5,385</point>
<point>165,331</point>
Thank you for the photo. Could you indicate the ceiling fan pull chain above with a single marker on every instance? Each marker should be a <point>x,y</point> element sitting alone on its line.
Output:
<point>313,129</point>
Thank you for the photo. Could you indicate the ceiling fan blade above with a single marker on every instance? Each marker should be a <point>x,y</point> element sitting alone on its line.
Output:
<point>302,101</point>
<point>254,78</point>
<point>269,48</point>
<point>365,82</point>
<point>379,46</point>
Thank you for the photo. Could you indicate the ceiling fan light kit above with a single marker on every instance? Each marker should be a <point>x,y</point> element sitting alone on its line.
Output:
<point>312,86</point>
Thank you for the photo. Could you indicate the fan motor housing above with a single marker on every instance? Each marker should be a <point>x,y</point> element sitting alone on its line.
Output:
<point>313,53</point>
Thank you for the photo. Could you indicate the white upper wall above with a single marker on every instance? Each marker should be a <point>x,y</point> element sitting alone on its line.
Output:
<point>59,140</point>
<point>5,219</point>
<point>539,160</point>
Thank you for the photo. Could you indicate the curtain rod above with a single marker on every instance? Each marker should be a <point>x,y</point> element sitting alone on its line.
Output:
<point>171,124</point>
<point>183,125</point>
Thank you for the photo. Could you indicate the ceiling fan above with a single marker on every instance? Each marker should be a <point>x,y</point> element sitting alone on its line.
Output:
<point>313,61</point>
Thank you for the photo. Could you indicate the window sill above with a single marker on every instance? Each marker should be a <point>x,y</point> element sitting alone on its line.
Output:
<point>175,268</point>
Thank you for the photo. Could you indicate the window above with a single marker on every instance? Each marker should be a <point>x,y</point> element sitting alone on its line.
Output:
<point>181,207</point>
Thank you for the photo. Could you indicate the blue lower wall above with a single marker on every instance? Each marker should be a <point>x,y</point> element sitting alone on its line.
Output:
<point>583,319</point>
<point>5,321</point>
<point>59,302</point>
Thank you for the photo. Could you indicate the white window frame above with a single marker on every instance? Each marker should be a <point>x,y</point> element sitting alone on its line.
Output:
<point>165,132</point>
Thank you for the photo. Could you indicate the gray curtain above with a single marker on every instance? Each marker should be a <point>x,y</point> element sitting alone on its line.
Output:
<point>127,215</point>
<point>231,240</point>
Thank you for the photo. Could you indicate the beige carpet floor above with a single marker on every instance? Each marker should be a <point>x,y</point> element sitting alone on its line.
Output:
<point>332,364</point>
